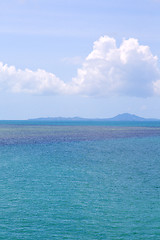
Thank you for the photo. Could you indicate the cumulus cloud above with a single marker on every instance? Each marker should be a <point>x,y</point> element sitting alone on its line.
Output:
<point>129,69</point>
<point>38,82</point>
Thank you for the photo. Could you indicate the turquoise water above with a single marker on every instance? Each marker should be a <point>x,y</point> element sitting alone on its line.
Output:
<point>80,182</point>
<point>82,123</point>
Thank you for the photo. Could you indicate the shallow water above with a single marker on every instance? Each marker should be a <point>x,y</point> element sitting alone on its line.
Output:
<point>79,182</point>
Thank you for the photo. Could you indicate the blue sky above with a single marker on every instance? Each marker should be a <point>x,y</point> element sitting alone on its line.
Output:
<point>79,58</point>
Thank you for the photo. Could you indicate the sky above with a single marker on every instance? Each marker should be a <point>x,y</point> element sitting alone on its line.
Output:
<point>85,58</point>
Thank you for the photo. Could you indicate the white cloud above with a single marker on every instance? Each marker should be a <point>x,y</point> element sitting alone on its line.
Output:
<point>130,69</point>
<point>39,82</point>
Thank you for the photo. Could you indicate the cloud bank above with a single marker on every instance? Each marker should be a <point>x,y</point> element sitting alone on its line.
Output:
<point>27,81</point>
<point>130,69</point>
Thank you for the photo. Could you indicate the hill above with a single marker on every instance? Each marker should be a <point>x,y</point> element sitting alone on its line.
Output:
<point>127,117</point>
<point>119,117</point>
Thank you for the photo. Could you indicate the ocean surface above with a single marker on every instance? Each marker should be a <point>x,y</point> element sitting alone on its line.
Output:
<point>79,180</point>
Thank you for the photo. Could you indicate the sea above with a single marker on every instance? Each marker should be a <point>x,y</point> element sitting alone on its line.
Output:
<point>92,180</point>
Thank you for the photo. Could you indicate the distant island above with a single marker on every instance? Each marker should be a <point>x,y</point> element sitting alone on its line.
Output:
<point>119,117</point>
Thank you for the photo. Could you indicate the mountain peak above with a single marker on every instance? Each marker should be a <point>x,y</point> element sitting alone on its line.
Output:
<point>127,117</point>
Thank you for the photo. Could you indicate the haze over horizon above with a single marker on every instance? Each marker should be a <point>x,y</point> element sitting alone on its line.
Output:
<point>79,58</point>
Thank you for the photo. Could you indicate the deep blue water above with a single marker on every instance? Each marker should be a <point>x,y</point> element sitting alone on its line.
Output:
<point>82,123</point>
<point>92,182</point>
